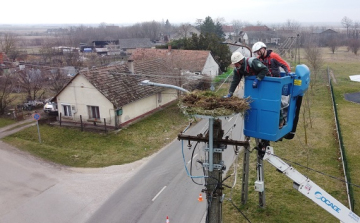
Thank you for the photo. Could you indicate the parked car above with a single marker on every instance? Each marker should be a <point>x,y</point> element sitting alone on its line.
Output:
<point>51,108</point>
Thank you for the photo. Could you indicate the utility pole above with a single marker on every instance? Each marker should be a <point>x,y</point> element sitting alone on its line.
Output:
<point>214,166</point>
<point>213,182</point>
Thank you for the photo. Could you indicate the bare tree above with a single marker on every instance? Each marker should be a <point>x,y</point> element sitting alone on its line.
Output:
<point>291,25</point>
<point>347,23</point>
<point>237,24</point>
<point>32,82</point>
<point>57,80</point>
<point>355,33</point>
<point>8,42</point>
<point>354,45</point>
<point>184,30</point>
<point>6,87</point>
<point>332,43</point>
<point>314,57</point>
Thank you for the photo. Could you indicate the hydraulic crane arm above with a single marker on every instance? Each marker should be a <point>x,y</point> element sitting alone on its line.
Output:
<point>308,188</point>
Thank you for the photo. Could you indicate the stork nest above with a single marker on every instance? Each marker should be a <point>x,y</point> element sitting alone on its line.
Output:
<point>209,104</point>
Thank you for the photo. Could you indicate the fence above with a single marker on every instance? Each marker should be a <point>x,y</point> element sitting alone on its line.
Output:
<point>349,187</point>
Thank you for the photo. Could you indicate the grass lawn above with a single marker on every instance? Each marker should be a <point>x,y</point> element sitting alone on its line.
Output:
<point>72,147</point>
<point>6,121</point>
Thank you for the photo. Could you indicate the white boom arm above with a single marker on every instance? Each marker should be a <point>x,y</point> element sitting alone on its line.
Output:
<point>308,188</point>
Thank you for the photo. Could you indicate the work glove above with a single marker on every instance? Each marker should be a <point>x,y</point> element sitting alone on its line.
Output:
<point>255,83</point>
<point>228,95</point>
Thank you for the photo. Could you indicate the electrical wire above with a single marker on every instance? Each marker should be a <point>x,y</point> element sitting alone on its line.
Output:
<point>224,81</point>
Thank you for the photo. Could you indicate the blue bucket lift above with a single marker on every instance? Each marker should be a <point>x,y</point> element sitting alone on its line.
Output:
<point>272,95</point>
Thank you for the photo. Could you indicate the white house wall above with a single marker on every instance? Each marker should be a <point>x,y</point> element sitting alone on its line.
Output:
<point>81,93</point>
<point>211,68</point>
<point>146,105</point>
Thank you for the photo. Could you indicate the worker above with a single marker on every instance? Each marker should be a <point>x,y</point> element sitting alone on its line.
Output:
<point>272,60</point>
<point>246,66</point>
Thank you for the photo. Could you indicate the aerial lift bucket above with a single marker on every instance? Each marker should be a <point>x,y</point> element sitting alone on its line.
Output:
<point>272,95</point>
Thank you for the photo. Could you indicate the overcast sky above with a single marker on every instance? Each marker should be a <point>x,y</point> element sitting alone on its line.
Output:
<point>182,11</point>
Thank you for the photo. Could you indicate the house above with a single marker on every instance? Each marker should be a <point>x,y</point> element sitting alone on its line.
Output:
<point>130,45</point>
<point>109,47</point>
<point>185,31</point>
<point>199,62</point>
<point>260,33</point>
<point>113,96</point>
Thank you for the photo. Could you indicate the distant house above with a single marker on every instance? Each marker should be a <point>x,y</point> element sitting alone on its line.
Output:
<point>260,33</point>
<point>187,61</point>
<point>112,96</point>
<point>185,31</point>
<point>130,45</point>
<point>109,47</point>
<point>229,31</point>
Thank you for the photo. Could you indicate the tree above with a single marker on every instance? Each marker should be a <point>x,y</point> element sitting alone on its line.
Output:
<point>333,43</point>
<point>347,23</point>
<point>212,42</point>
<point>184,30</point>
<point>315,59</point>
<point>354,45</point>
<point>167,28</point>
<point>31,80</point>
<point>208,26</point>
<point>291,25</point>
<point>237,25</point>
<point>57,80</point>
<point>8,45</point>
<point>7,83</point>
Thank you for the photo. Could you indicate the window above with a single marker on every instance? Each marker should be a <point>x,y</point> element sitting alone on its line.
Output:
<point>67,110</point>
<point>94,112</point>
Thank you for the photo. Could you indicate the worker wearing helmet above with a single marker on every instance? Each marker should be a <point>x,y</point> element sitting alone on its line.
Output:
<point>272,60</point>
<point>246,66</point>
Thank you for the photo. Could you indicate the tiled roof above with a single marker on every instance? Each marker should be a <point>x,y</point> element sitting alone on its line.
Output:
<point>192,60</point>
<point>121,88</point>
<point>228,29</point>
<point>256,28</point>
<point>135,43</point>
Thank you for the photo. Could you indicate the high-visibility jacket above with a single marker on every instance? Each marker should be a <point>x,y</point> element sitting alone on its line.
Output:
<point>273,62</point>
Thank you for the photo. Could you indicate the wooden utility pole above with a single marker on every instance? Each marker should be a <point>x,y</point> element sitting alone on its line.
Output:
<point>213,182</point>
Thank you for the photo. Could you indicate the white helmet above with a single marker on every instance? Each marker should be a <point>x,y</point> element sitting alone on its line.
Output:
<point>236,57</point>
<point>257,46</point>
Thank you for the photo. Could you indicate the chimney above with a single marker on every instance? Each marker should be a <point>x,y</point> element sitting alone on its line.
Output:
<point>131,66</point>
<point>169,47</point>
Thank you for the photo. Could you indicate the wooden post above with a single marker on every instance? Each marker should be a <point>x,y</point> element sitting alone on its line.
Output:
<point>81,124</point>
<point>105,124</point>
<point>245,176</point>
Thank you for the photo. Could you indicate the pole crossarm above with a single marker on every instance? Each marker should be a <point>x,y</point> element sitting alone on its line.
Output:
<point>200,138</point>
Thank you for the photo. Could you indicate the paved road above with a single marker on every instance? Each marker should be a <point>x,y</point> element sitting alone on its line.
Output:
<point>162,188</point>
